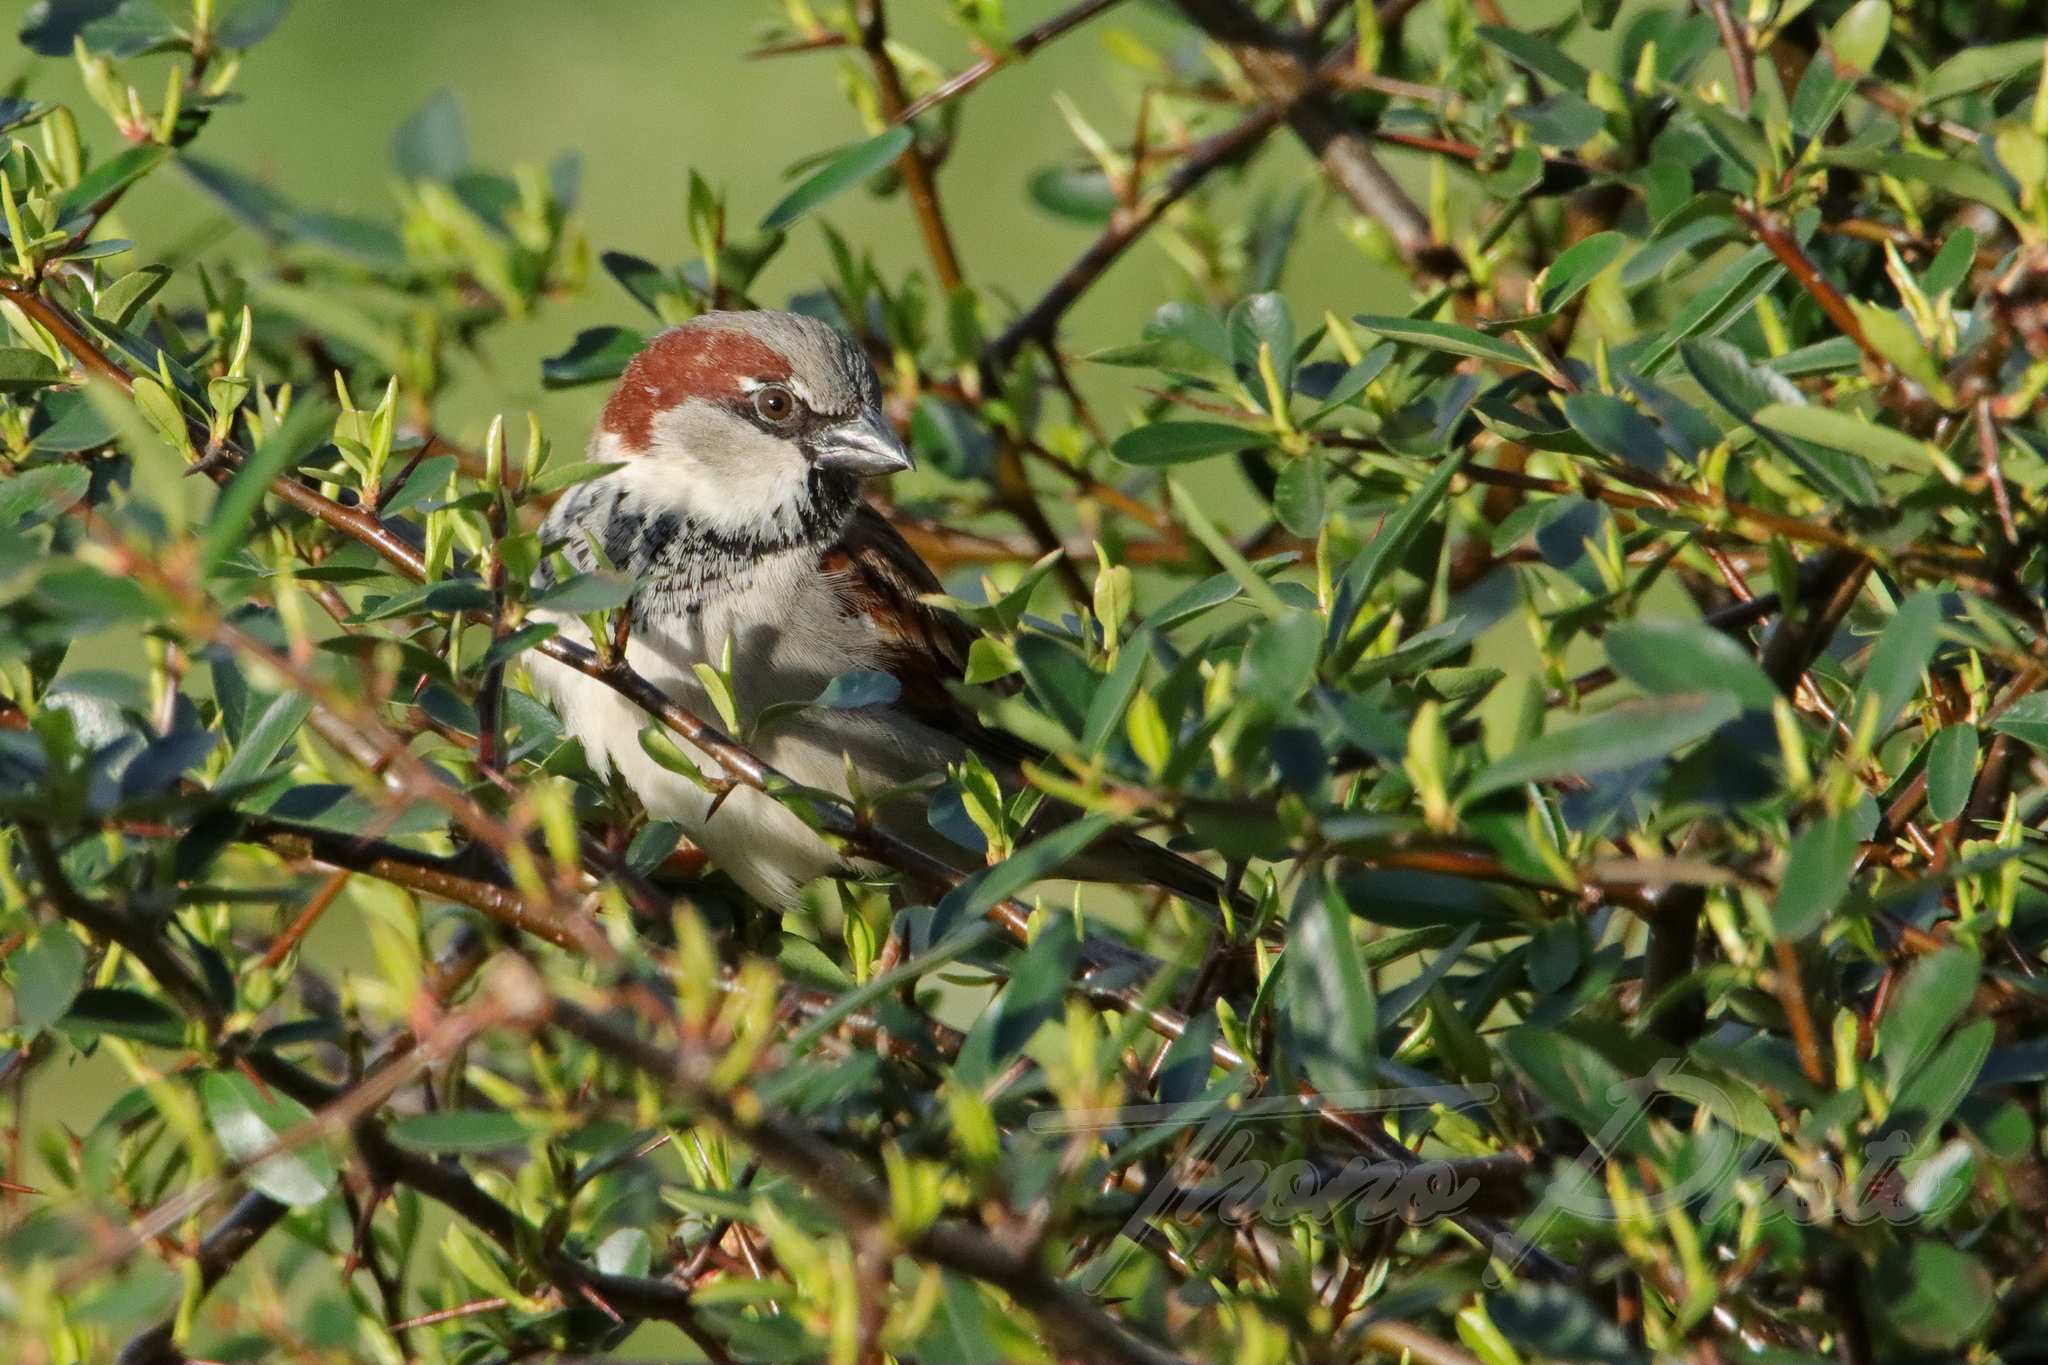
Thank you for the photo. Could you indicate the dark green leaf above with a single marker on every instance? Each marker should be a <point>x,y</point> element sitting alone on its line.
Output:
<point>124,1014</point>
<point>1816,876</point>
<point>1446,336</point>
<point>1613,427</point>
<point>109,178</point>
<point>1951,771</point>
<point>22,370</point>
<point>1171,443</point>
<point>460,1130</point>
<point>279,453</point>
<point>2026,720</point>
<point>1932,996</point>
<point>433,144</point>
<point>37,495</point>
<point>845,170</point>
<point>1896,662</point>
<point>1668,656</point>
<point>1577,266</point>
<point>266,739</point>
<point>1332,1011</point>
<point>597,590</point>
<point>1079,194</point>
<point>597,354</point>
<point>1389,546</point>
<point>448,596</point>
<point>1526,49</point>
<point>1620,737</point>
<point>46,974</point>
<point>1932,1294</point>
<point>1032,863</point>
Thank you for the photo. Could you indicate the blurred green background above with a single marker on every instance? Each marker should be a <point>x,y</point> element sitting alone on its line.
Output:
<point>647,90</point>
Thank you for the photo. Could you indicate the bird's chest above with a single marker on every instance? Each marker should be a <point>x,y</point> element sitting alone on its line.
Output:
<point>782,622</point>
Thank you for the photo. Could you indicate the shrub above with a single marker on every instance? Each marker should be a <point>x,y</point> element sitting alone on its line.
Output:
<point>1609,666</point>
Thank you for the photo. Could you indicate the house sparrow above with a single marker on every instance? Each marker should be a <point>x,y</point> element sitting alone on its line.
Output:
<point>742,441</point>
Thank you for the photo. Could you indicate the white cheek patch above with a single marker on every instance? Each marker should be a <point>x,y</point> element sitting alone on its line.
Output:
<point>720,469</point>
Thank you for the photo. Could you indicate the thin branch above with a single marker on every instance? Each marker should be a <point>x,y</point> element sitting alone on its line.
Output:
<point>1074,1321</point>
<point>143,941</point>
<point>913,166</point>
<point>1741,59</point>
<point>1040,322</point>
<point>1019,49</point>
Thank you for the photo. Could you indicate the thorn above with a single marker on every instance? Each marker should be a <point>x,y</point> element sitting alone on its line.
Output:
<point>587,1292</point>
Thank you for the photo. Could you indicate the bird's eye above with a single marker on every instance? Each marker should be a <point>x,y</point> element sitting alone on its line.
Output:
<point>775,404</point>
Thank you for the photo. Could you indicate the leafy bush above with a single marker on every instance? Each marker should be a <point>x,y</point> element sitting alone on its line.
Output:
<point>1610,667</point>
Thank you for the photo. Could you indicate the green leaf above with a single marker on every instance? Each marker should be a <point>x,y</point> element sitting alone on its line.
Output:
<point>1742,388</point>
<point>449,596</point>
<point>1577,266</point>
<point>1976,67</point>
<point>1932,1294</point>
<point>2026,720</point>
<point>22,370</point>
<point>46,974</point>
<point>433,143</point>
<point>249,1121</point>
<point>860,687</point>
<point>38,495</point>
<point>1525,49</point>
<point>596,590</point>
<point>110,178</point>
<point>1216,543</point>
<point>1951,771</point>
<point>1720,303</point>
<point>1565,120</point>
<point>1584,1085</point>
<point>1929,1094</point>
<point>1079,194</point>
<point>1263,320</point>
<point>460,1130</point>
<point>1280,661</point>
<point>1171,443</point>
<point>1332,1012</point>
<point>1896,662</point>
<point>1035,995</point>
<point>1300,496</point>
<point>1846,431</point>
<point>265,739</point>
<point>249,23</point>
<point>124,1013</point>
<point>1034,862</point>
<point>597,354</point>
<point>843,171</point>
<point>1953,175</point>
<point>1667,656</point>
<point>1106,708</point>
<point>1447,337</point>
<point>1390,546</point>
<point>1932,996</point>
<point>1858,38</point>
<point>280,452</point>
<point>1620,737</point>
<point>1613,427</point>
<point>1816,876</point>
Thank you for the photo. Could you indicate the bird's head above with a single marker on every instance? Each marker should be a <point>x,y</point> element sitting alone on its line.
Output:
<point>758,423</point>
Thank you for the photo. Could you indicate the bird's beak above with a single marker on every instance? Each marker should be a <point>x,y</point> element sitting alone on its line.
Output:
<point>863,447</point>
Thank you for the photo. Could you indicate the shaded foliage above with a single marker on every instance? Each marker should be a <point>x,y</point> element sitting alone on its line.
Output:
<point>1610,670</point>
